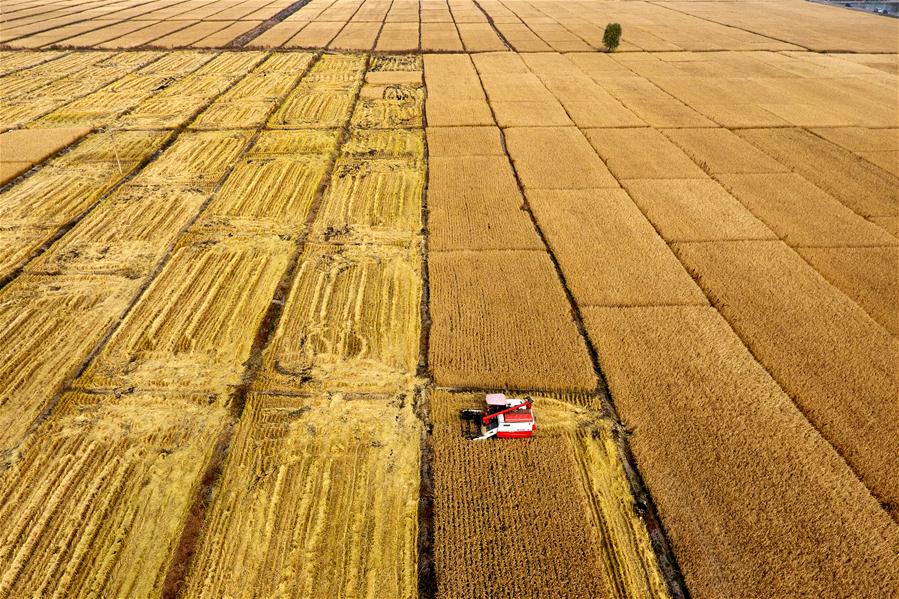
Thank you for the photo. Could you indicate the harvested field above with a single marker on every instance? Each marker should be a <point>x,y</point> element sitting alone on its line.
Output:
<point>350,322</point>
<point>318,499</point>
<point>96,502</point>
<point>196,160</point>
<point>501,320</point>
<point>698,451</point>
<point>69,184</point>
<point>589,542</point>
<point>194,326</point>
<point>58,320</point>
<point>374,200</point>
<point>635,268</point>
<point>127,235</point>
<point>255,255</point>
<point>833,360</point>
<point>275,193</point>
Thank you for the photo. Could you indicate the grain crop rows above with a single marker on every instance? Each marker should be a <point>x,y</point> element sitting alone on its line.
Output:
<point>171,244</point>
<point>256,255</point>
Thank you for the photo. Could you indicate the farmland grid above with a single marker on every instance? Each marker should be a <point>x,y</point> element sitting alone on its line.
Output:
<point>263,280</point>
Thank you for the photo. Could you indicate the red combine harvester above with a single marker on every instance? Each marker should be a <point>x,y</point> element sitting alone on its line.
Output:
<point>504,418</point>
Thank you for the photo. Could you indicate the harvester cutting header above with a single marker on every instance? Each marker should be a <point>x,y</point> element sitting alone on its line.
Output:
<point>504,418</point>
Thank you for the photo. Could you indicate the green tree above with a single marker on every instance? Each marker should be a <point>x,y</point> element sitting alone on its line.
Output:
<point>612,36</point>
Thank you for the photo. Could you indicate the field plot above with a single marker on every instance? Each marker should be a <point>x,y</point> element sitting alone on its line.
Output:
<point>869,275</point>
<point>270,194</point>
<point>375,191</point>
<point>132,229</point>
<point>698,450</point>
<point>844,378</point>
<point>96,501</point>
<point>500,503</point>
<point>694,210</point>
<point>318,498</point>
<point>48,327</point>
<point>801,213</point>
<point>501,320</point>
<point>351,321</point>
<point>177,103</point>
<point>861,186</point>
<point>474,203</point>
<point>194,326</point>
<point>635,268</point>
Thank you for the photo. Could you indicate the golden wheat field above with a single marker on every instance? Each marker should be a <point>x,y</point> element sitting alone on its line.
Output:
<point>257,256</point>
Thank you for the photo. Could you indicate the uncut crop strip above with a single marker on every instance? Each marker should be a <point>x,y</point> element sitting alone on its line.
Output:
<point>318,498</point>
<point>590,542</point>
<point>95,500</point>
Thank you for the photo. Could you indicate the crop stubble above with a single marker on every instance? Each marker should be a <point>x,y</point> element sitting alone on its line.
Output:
<point>350,321</point>
<point>94,503</point>
<point>194,326</point>
<point>318,498</point>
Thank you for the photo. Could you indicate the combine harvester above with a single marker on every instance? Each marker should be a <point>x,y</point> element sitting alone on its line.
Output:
<point>504,418</point>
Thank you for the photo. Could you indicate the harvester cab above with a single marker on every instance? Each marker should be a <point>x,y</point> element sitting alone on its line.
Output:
<point>503,418</point>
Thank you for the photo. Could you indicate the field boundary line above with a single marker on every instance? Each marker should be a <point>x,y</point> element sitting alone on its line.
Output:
<point>489,18</point>
<point>658,536</point>
<point>279,17</point>
<point>426,566</point>
<point>738,28</point>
